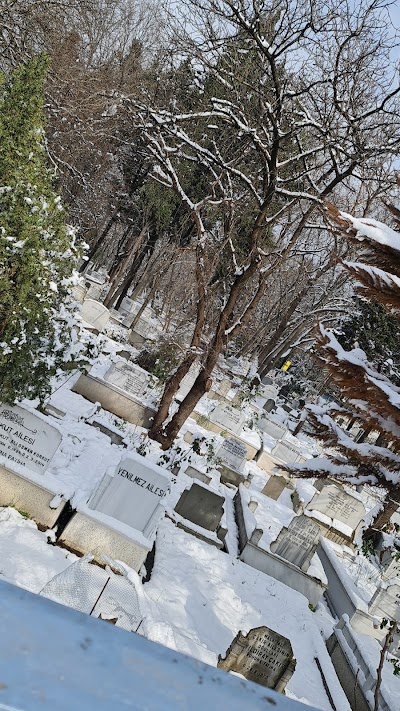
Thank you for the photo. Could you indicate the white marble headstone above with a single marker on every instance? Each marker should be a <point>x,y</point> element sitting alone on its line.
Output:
<point>188,381</point>
<point>233,453</point>
<point>95,314</point>
<point>228,418</point>
<point>133,494</point>
<point>285,452</point>
<point>271,428</point>
<point>298,542</point>
<point>27,440</point>
<point>337,504</point>
<point>130,378</point>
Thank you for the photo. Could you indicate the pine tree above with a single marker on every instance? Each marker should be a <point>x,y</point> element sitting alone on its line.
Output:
<point>37,251</point>
<point>369,398</point>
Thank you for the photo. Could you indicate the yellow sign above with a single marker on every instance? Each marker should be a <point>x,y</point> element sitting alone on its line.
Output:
<point>286,365</point>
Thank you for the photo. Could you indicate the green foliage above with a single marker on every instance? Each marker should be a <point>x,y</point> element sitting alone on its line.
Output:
<point>367,548</point>
<point>377,333</point>
<point>159,359</point>
<point>37,254</point>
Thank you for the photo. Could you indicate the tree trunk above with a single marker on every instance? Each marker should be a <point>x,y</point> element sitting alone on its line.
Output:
<point>390,506</point>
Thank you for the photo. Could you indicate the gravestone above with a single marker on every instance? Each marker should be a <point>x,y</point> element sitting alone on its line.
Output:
<point>222,387</point>
<point>133,494</point>
<point>228,418</point>
<point>274,487</point>
<point>298,542</point>
<point>26,439</point>
<point>95,314</point>
<point>271,428</point>
<point>233,453</point>
<point>337,504</point>
<point>285,453</point>
<point>196,474</point>
<point>385,602</point>
<point>262,656</point>
<point>392,570</point>
<point>130,378</point>
<point>201,506</point>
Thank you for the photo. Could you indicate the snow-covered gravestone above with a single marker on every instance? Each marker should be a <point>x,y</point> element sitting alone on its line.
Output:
<point>26,439</point>
<point>298,542</point>
<point>337,504</point>
<point>385,602</point>
<point>263,656</point>
<point>285,452</point>
<point>130,378</point>
<point>201,506</point>
<point>227,417</point>
<point>133,495</point>
<point>272,428</point>
<point>95,314</point>
<point>233,453</point>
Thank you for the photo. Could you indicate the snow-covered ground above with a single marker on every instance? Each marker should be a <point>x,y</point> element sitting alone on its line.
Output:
<point>198,597</point>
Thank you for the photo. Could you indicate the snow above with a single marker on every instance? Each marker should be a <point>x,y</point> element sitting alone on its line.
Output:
<point>374,231</point>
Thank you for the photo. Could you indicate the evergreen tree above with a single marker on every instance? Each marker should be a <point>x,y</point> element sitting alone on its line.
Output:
<point>37,251</point>
<point>370,398</point>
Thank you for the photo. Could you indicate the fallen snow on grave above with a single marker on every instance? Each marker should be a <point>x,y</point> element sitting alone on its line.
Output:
<point>26,559</point>
<point>199,598</point>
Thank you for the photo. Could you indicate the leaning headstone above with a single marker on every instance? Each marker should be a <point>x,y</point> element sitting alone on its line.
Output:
<point>298,542</point>
<point>95,314</point>
<point>133,494</point>
<point>274,487</point>
<point>229,418</point>
<point>201,506</point>
<point>262,656</point>
<point>386,602</point>
<point>26,439</point>
<point>337,504</point>
<point>233,453</point>
<point>130,378</point>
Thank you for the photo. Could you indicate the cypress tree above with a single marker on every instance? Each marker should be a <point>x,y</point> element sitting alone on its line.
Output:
<point>37,251</point>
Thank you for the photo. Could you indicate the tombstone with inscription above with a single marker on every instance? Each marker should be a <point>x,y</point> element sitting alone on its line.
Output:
<point>392,570</point>
<point>232,454</point>
<point>95,314</point>
<point>298,542</point>
<point>337,505</point>
<point>385,602</point>
<point>26,439</point>
<point>276,430</point>
<point>228,418</point>
<point>286,452</point>
<point>133,495</point>
<point>262,656</point>
<point>129,377</point>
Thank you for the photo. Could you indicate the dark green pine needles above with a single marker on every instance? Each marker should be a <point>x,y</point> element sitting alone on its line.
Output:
<point>37,252</point>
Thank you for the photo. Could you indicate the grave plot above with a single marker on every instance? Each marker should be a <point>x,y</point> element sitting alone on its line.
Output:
<point>27,445</point>
<point>337,513</point>
<point>227,421</point>
<point>94,315</point>
<point>122,515</point>
<point>200,511</point>
<point>232,454</point>
<point>261,655</point>
<point>120,392</point>
<point>279,544</point>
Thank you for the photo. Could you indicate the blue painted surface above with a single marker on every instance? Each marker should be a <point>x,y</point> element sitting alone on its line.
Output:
<point>53,658</point>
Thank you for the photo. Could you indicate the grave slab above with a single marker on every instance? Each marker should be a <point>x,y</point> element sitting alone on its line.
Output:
<point>112,399</point>
<point>128,377</point>
<point>263,656</point>
<point>227,418</point>
<point>201,506</point>
<point>197,474</point>
<point>95,314</point>
<point>274,487</point>
<point>86,533</point>
<point>27,440</point>
<point>335,503</point>
<point>385,602</point>
<point>28,497</point>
